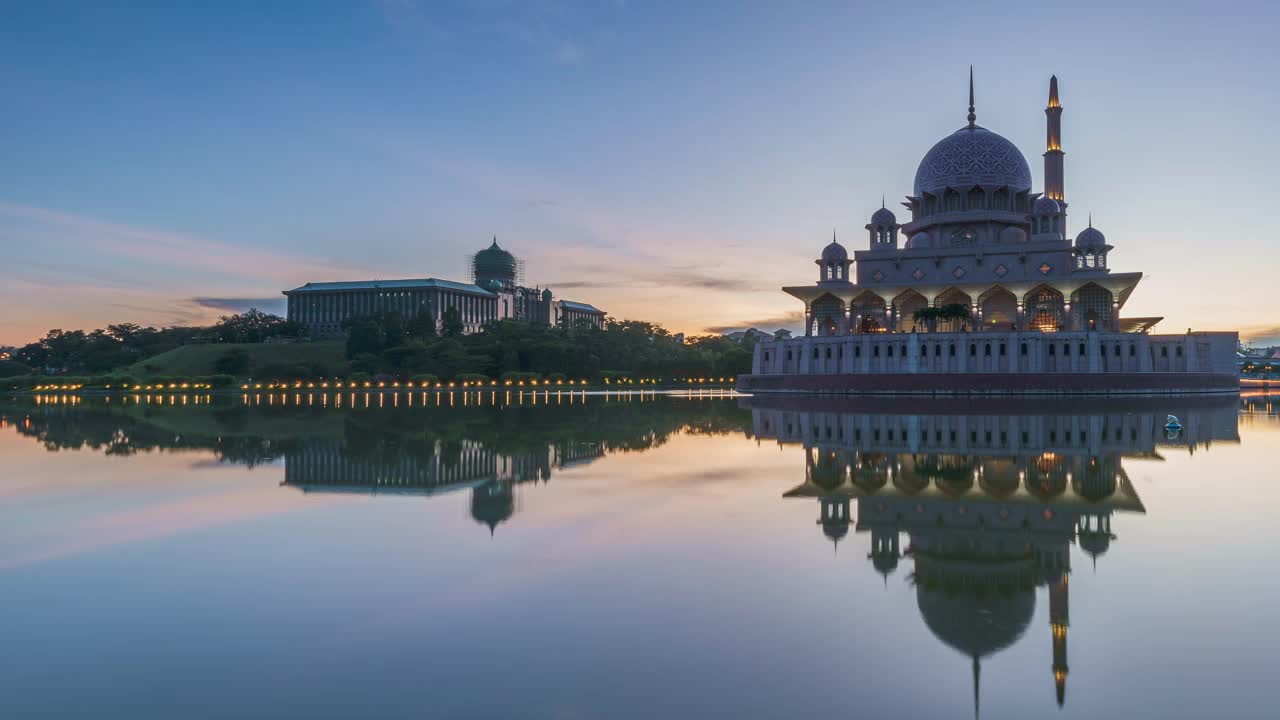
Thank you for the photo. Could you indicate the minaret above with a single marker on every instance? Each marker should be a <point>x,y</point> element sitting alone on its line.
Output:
<point>1059,619</point>
<point>1053,145</point>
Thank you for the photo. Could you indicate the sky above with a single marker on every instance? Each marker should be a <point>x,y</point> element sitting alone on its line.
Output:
<point>166,163</point>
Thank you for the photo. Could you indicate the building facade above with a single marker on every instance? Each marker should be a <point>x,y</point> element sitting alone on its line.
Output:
<point>493,294</point>
<point>988,281</point>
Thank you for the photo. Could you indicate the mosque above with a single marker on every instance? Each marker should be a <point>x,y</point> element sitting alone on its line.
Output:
<point>990,504</point>
<point>988,293</point>
<point>495,292</point>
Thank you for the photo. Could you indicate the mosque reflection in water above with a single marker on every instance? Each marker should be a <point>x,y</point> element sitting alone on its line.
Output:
<point>990,502</point>
<point>327,467</point>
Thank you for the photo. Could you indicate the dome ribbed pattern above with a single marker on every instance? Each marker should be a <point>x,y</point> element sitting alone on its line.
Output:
<point>972,156</point>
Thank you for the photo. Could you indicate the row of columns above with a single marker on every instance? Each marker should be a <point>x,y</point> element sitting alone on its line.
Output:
<point>331,309</point>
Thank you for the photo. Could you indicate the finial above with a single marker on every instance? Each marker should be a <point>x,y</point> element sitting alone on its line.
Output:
<point>1090,219</point>
<point>833,235</point>
<point>1053,91</point>
<point>881,201</point>
<point>977,672</point>
<point>972,116</point>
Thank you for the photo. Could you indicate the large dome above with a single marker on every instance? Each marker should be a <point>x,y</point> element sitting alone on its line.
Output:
<point>975,625</point>
<point>494,262</point>
<point>972,156</point>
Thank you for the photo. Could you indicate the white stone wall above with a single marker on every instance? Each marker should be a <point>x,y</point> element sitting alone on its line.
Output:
<point>997,352</point>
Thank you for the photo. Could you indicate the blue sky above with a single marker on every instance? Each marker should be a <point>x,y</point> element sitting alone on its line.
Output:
<point>676,162</point>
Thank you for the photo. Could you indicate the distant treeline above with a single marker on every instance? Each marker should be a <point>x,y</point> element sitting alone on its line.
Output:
<point>385,345</point>
<point>115,347</point>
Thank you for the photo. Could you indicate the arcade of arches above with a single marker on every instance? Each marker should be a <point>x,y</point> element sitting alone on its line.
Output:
<point>1044,307</point>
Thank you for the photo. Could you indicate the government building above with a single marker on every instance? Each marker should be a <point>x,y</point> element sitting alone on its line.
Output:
<point>495,292</point>
<point>983,289</point>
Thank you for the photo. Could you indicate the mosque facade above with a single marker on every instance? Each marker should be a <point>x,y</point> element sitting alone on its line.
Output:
<point>982,282</point>
<point>495,292</point>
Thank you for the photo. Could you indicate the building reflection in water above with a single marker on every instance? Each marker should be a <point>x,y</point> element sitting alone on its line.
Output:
<point>435,468</point>
<point>990,496</point>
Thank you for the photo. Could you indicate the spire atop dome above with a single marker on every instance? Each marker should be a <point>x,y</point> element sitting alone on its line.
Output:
<point>977,673</point>
<point>972,116</point>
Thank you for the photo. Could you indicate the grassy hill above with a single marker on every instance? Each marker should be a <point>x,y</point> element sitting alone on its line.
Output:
<point>191,360</point>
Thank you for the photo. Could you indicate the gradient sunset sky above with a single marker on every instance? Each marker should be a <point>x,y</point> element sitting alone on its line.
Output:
<point>666,161</point>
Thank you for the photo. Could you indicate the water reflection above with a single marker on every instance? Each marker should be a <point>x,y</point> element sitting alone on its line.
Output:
<point>388,450</point>
<point>990,496</point>
<point>976,511</point>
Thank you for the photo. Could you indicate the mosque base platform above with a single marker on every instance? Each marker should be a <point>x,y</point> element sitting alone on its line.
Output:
<point>997,384</point>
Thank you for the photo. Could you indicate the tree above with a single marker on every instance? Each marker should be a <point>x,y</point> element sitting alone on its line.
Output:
<point>421,327</point>
<point>232,362</point>
<point>451,323</point>
<point>253,326</point>
<point>955,311</point>
<point>364,337</point>
<point>927,316</point>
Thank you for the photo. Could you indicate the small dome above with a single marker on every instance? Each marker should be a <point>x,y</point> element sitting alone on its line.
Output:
<point>834,252</point>
<point>835,530</point>
<point>1013,235</point>
<point>972,156</point>
<point>1095,542</point>
<point>1047,206</point>
<point>1091,236</point>
<point>492,503</point>
<point>919,240</point>
<point>884,216</point>
<point>884,563</point>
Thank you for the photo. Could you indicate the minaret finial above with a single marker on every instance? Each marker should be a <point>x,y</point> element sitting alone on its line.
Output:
<point>1053,91</point>
<point>972,116</point>
<point>977,672</point>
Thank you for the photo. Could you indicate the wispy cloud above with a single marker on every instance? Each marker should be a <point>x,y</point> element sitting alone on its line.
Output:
<point>791,321</point>
<point>89,271</point>
<point>241,304</point>
<point>671,278</point>
<point>1261,335</point>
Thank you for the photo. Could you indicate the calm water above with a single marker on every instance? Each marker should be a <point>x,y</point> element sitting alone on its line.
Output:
<point>637,557</point>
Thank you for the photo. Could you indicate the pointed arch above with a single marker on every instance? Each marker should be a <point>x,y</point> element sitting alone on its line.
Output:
<point>906,304</point>
<point>1091,308</point>
<point>997,309</point>
<point>868,313</point>
<point>998,477</point>
<point>827,315</point>
<point>953,296</point>
<point>1044,309</point>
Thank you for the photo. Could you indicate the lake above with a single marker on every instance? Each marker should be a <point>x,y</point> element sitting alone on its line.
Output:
<point>636,555</point>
